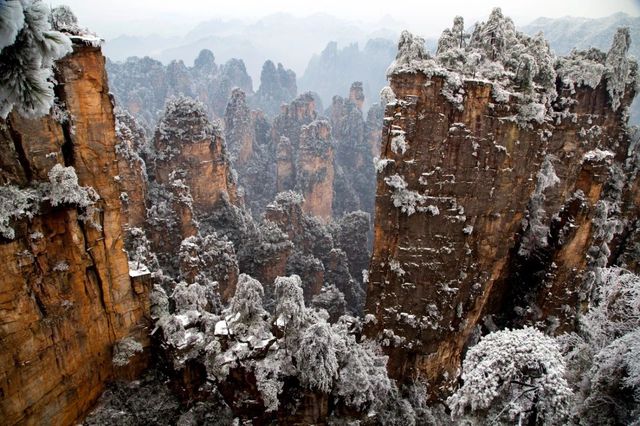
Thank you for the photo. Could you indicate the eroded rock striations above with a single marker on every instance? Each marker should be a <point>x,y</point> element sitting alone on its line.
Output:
<point>251,152</point>
<point>140,228</point>
<point>501,167</point>
<point>66,295</point>
<point>132,178</point>
<point>304,155</point>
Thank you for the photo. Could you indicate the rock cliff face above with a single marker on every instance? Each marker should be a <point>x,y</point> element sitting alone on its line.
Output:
<point>65,293</point>
<point>316,256</point>
<point>484,212</point>
<point>355,176</point>
<point>263,130</point>
<point>190,184</point>
<point>373,128</point>
<point>304,155</point>
<point>356,95</point>
<point>301,111</point>
<point>328,160</point>
<point>239,130</point>
<point>314,168</point>
<point>251,152</point>
<point>186,143</point>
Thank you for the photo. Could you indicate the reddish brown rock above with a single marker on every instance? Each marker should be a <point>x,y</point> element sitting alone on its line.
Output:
<point>65,293</point>
<point>285,163</point>
<point>304,155</point>
<point>190,148</point>
<point>285,136</point>
<point>190,176</point>
<point>315,169</point>
<point>252,154</point>
<point>459,251</point>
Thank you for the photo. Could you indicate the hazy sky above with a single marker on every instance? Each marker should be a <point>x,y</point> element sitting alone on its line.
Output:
<point>170,17</point>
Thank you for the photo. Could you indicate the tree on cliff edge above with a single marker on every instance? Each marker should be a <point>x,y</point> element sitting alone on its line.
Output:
<point>513,376</point>
<point>28,49</point>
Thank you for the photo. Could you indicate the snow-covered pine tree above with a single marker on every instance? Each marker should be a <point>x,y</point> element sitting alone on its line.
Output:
<point>494,37</point>
<point>28,49</point>
<point>331,299</point>
<point>290,309</point>
<point>453,38</point>
<point>11,21</point>
<point>513,376</point>
<point>65,189</point>
<point>603,357</point>
<point>316,357</point>
<point>210,261</point>
<point>63,19</point>
<point>246,312</point>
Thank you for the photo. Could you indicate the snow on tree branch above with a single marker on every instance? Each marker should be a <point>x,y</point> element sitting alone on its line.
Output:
<point>185,120</point>
<point>11,21</point>
<point>316,357</point>
<point>28,49</point>
<point>411,52</point>
<point>66,190</point>
<point>124,350</point>
<point>16,203</point>
<point>62,188</point>
<point>511,375</point>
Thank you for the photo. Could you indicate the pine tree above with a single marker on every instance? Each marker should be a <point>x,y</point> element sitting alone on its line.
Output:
<point>494,37</point>
<point>316,357</point>
<point>28,50</point>
<point>11,21</point>
<point>513,376</point>
<point>246,311</point>
<point>290,309</point>
<point>63,19</point>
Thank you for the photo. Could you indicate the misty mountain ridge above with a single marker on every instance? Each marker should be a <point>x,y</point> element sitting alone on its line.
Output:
<point>280,37</point>
<point>568,32</point>
<point>329,53</point>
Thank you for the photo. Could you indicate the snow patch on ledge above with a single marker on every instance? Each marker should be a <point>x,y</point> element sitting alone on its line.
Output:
<point>597,155</point>
<point>221,329</point>
<point>137,269</point>
<point>87,40</point>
